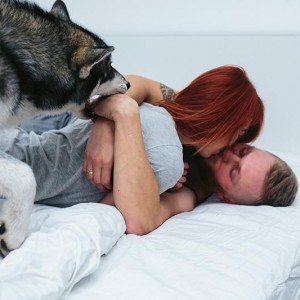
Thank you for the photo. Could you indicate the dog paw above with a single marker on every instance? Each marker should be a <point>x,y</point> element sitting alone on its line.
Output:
<point>12,234</point>
<point>17,192</point>
<point>3,247</point>
<point>14,219</point>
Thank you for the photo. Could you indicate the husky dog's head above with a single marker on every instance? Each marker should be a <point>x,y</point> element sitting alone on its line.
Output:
<point>50,64</point>
<point>90,62</point>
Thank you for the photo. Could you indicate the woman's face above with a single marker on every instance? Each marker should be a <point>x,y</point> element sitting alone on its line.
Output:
<point>218,145</point>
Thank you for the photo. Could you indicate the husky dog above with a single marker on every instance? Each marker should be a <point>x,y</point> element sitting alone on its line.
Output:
<point>47,64</point>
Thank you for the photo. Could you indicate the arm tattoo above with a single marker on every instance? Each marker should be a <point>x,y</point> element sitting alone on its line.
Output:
<point>167,93</point>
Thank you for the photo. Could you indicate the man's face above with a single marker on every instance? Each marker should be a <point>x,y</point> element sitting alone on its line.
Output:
<point>240,171</point>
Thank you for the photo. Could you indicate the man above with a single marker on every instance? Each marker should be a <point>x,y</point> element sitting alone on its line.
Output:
<point>238,172</point>
<point>245,175</point>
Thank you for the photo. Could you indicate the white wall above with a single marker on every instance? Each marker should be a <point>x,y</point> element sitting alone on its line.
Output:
<point>185,17</point>
<point>173,41</point>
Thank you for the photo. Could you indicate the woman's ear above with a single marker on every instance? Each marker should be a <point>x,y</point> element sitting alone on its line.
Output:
<point>224,199</point>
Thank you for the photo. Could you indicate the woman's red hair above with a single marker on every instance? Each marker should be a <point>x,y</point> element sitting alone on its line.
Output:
<point>221,102</point>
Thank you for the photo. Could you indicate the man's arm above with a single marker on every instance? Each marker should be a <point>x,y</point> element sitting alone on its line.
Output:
<point>98,156</point>
<point>135,188</point>
<point>171,204</point>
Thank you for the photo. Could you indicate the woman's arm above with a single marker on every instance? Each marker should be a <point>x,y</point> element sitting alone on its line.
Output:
<point>143,89</point>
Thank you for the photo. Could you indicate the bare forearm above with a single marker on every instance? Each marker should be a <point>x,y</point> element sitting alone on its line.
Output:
<point>135,190</point>
<point>147,90</point>
<point>135,187</point>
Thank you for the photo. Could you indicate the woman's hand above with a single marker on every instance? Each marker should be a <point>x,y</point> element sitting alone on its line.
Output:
<point>99,154</point>
<point>182,180</point>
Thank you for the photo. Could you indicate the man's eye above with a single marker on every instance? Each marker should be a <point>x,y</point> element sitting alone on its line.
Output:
<point>234,170</point>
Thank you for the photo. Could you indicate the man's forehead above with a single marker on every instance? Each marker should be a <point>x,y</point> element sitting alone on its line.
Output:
<point>253,172</point>
<point>256,161</point>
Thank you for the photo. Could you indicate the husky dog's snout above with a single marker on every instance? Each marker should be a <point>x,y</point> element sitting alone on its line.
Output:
<point>116,85</point>
<point>127,85</point>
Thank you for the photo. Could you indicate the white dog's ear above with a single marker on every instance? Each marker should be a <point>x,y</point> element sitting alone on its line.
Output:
<point>59,10</point>
<point>85,58</point>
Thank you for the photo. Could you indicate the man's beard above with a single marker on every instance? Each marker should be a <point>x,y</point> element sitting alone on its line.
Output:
<point>200,172</point>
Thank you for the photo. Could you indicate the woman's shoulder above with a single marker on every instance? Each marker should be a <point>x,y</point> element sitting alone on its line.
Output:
<point>158,127</point>
<point>153,113</point>
<point>153,108</point>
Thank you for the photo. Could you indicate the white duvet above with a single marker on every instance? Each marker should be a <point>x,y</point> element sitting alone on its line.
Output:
<point>216,252</point>
<point>65,246</point>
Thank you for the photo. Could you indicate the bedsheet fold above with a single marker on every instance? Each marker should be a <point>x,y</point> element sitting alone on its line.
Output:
<point>64,246</point>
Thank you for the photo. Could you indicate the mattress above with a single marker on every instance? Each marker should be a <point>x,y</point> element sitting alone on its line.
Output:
<point>218,252</point>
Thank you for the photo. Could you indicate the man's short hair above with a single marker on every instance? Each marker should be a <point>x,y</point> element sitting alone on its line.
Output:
<point>280,186</point>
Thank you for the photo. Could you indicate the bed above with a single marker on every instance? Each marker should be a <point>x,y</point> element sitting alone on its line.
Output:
<point>216,252</point>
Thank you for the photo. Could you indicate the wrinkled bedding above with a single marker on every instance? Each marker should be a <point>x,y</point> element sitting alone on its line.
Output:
<point>217,252</point>
<point>65,245</point>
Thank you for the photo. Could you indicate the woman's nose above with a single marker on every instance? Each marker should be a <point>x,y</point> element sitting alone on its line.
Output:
<point>229,156</point>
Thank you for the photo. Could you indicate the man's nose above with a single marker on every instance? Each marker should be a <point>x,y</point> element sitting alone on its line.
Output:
<point>229,156</point>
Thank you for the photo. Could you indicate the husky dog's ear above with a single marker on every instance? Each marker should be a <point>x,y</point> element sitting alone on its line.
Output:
<point>59,10</point>
<point>85,58</point>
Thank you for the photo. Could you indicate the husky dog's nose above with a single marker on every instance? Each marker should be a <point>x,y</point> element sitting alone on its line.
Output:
<point>128,85</point>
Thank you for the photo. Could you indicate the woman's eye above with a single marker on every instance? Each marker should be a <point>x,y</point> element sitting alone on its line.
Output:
<point>243,152</point>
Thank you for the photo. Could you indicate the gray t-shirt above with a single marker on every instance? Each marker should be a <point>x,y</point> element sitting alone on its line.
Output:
<point>56,156</point>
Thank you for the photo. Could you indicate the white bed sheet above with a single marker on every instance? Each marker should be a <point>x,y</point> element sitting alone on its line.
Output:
<point>65,245</point>
<point>216,252</point>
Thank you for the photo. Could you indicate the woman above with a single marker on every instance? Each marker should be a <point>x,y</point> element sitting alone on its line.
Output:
<point>217,109</point>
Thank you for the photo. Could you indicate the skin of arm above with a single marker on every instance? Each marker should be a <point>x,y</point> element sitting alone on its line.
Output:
<point>98,155</point>
<point>135,190</point>
<point>99,151</point>
<point>171,203</point>
<point>143,89</point>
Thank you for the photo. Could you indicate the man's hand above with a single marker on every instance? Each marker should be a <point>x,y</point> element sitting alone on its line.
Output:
<point>99,154</point>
